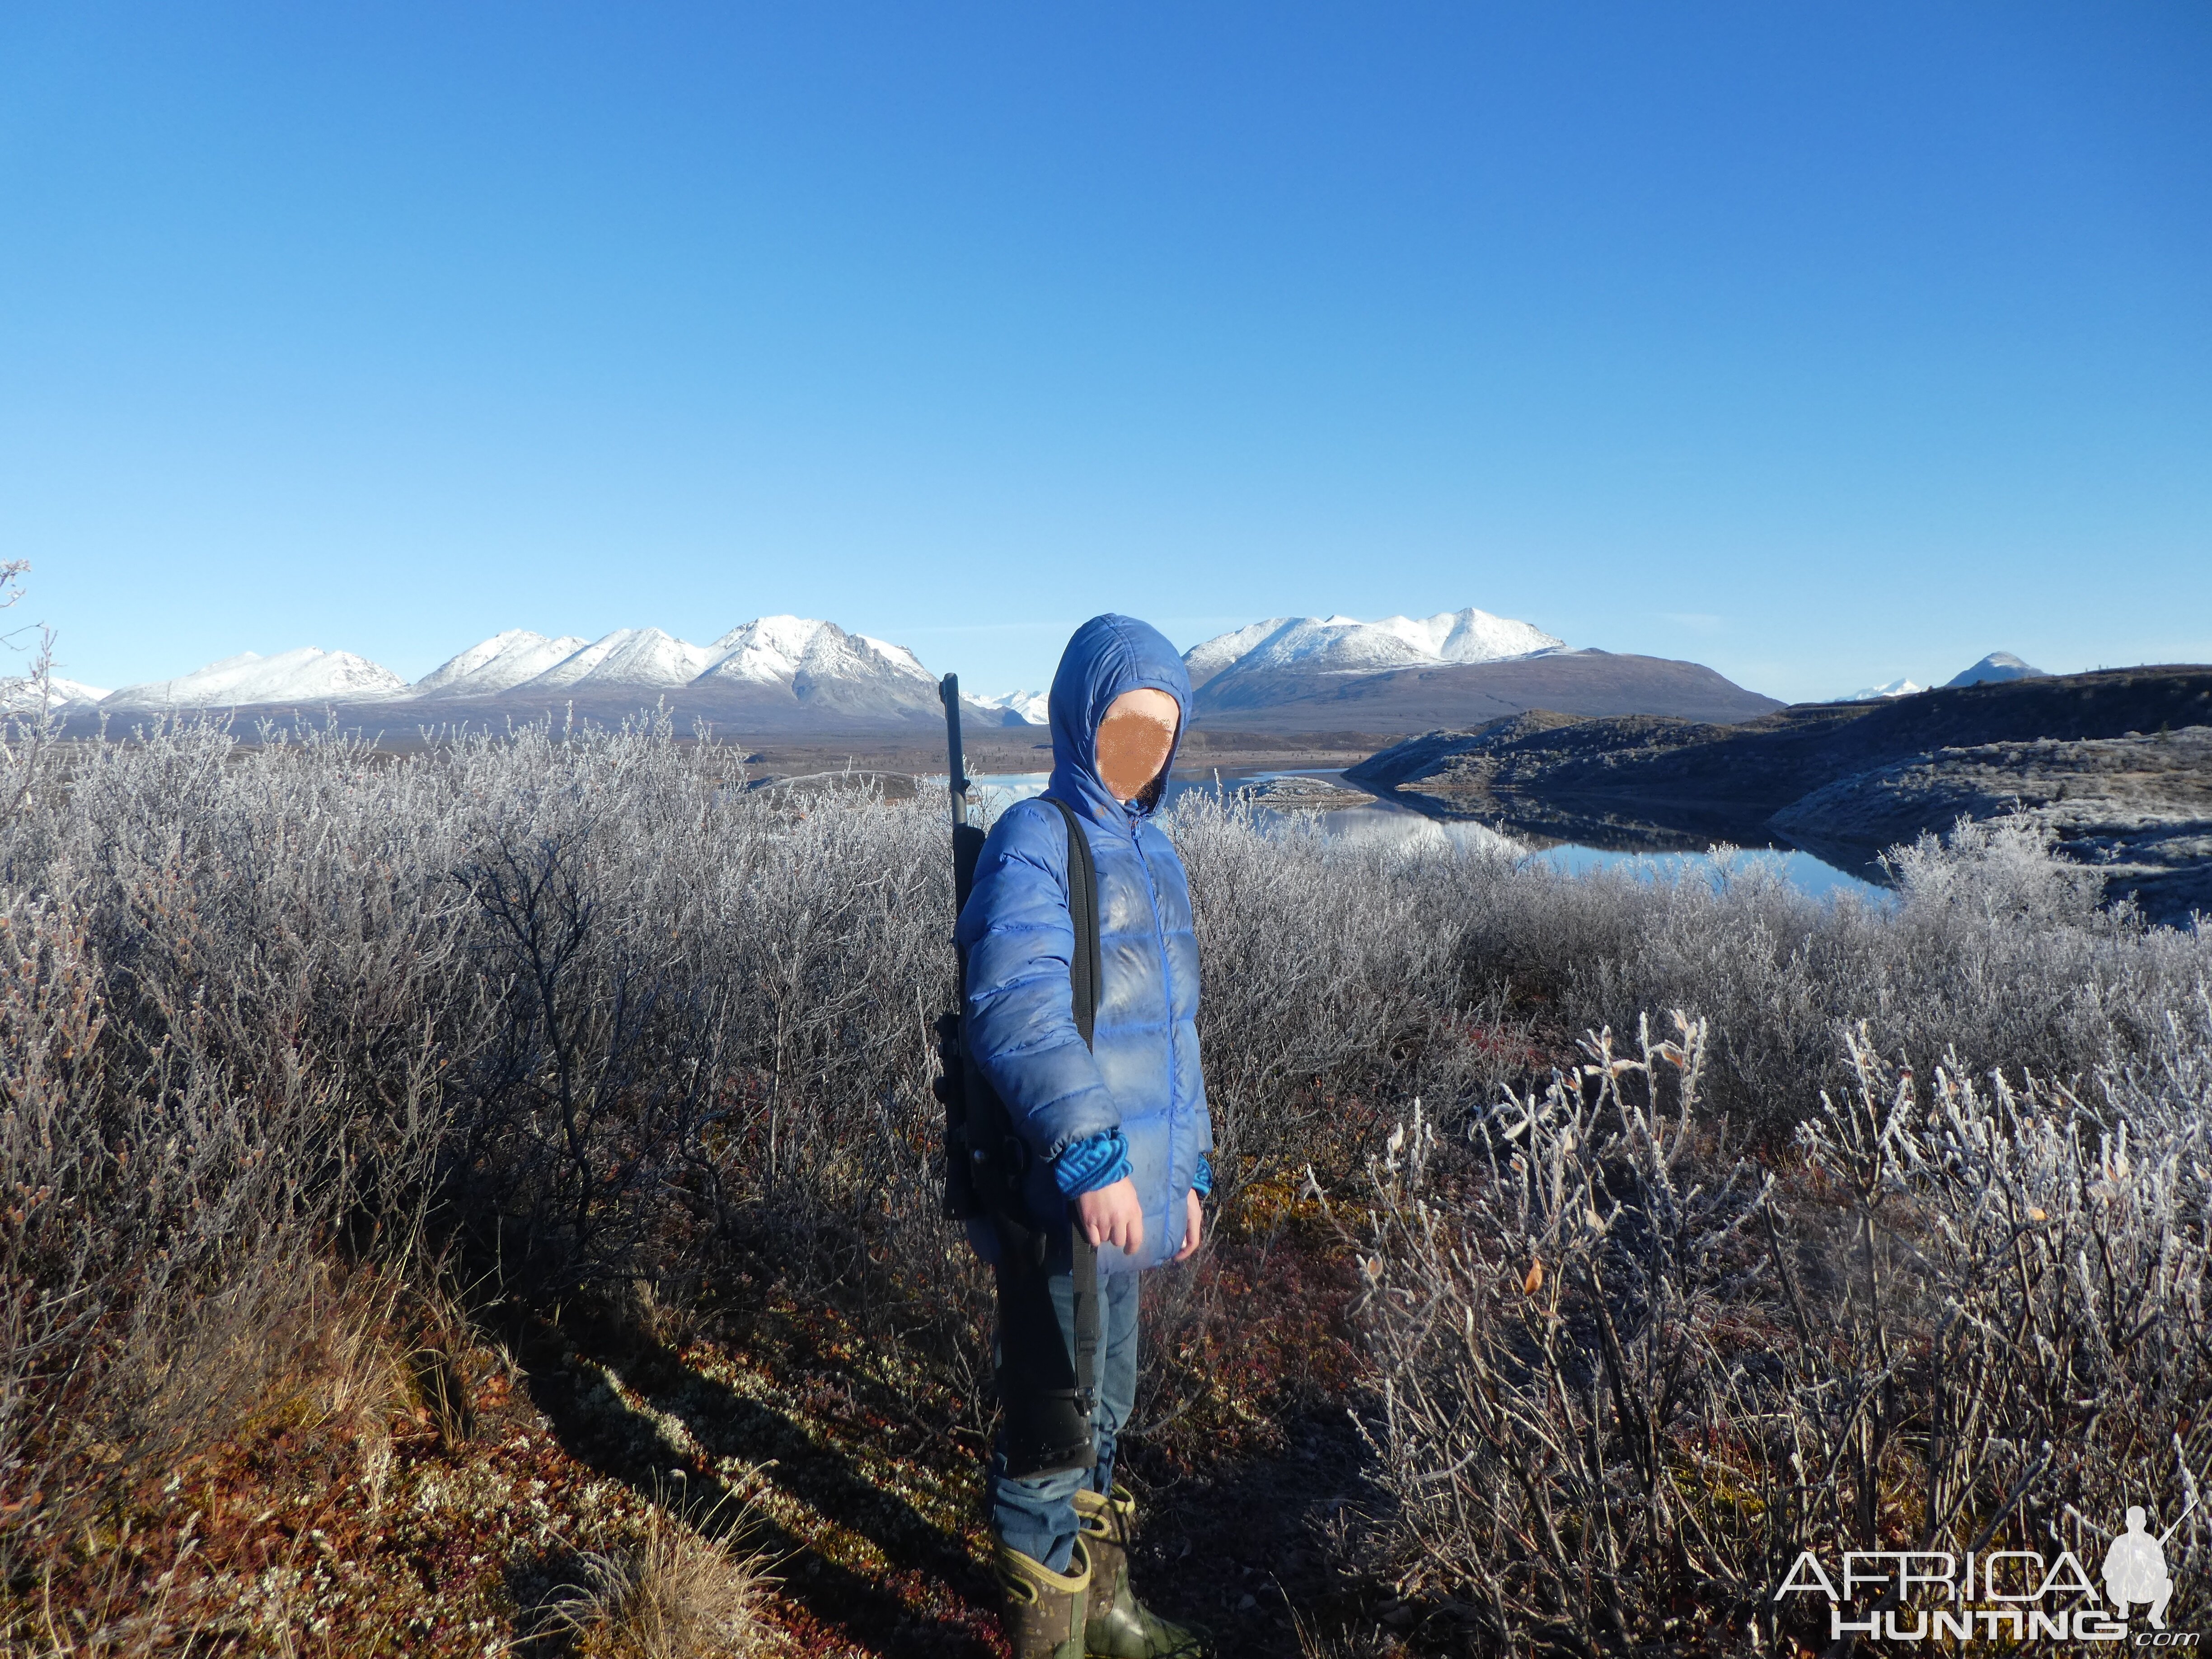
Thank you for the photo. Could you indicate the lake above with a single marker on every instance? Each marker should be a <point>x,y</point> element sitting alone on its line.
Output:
<point>1379,820</point>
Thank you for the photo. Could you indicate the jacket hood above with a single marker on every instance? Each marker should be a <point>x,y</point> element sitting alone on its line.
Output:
<point>1108,655</point>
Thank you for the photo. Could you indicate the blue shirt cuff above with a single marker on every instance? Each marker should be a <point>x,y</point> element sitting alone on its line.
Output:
<point>1202,1182</point>
<point>1084,1166</point>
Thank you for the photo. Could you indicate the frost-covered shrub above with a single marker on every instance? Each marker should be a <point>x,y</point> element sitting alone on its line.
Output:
<point>1333,984</point>
<point>579,1006</point>
<point>1622,1382</point>
<point>1994,951</point>
<point>575,1009</point>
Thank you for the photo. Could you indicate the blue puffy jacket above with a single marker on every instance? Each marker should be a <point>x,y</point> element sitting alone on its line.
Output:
<point>1141,1075</point>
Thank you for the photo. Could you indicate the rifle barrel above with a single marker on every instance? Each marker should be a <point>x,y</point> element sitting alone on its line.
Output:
<point>948,691</point>
<point>967,834</point>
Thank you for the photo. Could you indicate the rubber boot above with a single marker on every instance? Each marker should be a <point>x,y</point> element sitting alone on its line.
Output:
<point>1120,1625</point>
<point>1044,1613</point>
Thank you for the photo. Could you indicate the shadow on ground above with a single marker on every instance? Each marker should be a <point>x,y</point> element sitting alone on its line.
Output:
<point>923,1592</point>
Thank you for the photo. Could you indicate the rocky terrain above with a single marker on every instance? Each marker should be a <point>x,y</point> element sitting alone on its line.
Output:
<point>2118,765</point>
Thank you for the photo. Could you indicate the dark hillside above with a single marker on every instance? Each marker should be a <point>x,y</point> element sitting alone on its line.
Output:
<point>2111,763</point>
<point>2111,703</point>
<point>1750,769</point>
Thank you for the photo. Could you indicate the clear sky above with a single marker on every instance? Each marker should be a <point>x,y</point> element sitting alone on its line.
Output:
<point>1821,342</point>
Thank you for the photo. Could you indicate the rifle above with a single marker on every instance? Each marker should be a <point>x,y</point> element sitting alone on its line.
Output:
<point>1047,1393</point>
<point>963,1157</point>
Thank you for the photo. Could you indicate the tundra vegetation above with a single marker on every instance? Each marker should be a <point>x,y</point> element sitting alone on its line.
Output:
<point>484,1201</point>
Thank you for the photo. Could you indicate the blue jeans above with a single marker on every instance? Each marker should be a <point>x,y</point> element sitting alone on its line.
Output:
<point>1037,1516</point>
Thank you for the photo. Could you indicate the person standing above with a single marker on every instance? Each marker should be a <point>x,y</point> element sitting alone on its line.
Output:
<point>1113,1133</point>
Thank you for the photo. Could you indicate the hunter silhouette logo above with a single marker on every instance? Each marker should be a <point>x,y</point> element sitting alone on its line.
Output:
<point>2012,1596</point>
<point>2135,1569</point>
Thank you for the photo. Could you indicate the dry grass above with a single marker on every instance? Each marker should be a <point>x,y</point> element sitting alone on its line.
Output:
<point>1373,1644</point>
<point>681,1591</point>
<point>286,1357</point>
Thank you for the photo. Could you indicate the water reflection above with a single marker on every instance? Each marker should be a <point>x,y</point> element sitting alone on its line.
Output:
<point>1377,820</point>
<point>1800,869</point>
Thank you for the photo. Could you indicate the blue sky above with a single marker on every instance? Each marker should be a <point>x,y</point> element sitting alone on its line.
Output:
<point>1821,342</point>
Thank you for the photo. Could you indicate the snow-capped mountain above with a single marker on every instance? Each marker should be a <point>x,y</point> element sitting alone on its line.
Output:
<point>1344,645</point>
<point>1998,665</point>
<point>775,673</point>
<point>19,694</point>
<point>306,675</point>
<point>1880,693</point>
<point>783,666</point>
<point>1034,706</point>
<point>496,665</point>
<point>799,651</point>
<point>629,656</point>
<point>795,654</point>
<point>807,680</point>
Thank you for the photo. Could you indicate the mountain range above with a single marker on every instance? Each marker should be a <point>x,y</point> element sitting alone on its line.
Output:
<point>1335,674</point>
<point>774,674</point>
<point>1237,666</point>
<point>793,675</point>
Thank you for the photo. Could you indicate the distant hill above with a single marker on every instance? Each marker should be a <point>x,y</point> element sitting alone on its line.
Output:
<point>1419,698</point>
<point>1998,666</point>
<point>2113,761</point>
<point>1750,769</point>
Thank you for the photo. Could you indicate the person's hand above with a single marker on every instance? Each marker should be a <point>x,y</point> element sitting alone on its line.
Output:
<point>1193,1224</point>
<point>1113,1215</point>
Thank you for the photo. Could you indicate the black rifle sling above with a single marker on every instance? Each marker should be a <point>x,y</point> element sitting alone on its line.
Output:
<point>1083,969</point>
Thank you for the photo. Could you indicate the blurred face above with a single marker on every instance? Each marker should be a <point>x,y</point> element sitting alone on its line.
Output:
<point>1133,740</point>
